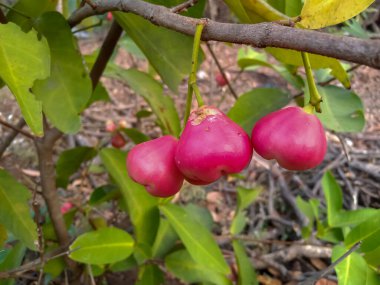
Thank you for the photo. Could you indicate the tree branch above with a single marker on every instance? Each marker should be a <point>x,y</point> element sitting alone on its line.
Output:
<point>11,136</point>
<point>366,52</point>
<point>3,18</point>
<point>105,53</point>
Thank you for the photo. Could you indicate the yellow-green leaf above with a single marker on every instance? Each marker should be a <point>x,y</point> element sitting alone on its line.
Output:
<point>293,57</point>
<point>261,11</point>
<point>317,14</point>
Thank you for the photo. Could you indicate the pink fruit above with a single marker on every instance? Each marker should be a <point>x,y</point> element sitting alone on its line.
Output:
<point>210,146</point>
<point>152,165</point>
<point>293,137</point>
<point>109,16</point>
<point>110,126</point>
<point>220,80</point>
<point>67,206</point>
<point>118,140</point>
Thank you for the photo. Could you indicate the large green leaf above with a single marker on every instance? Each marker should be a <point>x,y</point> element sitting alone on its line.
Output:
<point>318,14</point>
<point>14,210</point>
<point>69,162</point>
<point>168,52</point>
<point>150,274</point>
<point>353,269</point>
<point>246,272</point>
<point>152,91</point>
<point>104,246</point>
<point>31,8</point>
<point>142,207</point>
<point>66,92</point>
<point>196,238</point>
<point>23,59</point>
<point>336,216</point>
<point>181,264</point>
<point>12,261</point>
<point>373,257</point>
<point>261,11</point>
<point>364,231</point>
<point>255,104</point>
<point>238,9</point>
<point>342,110</point>
<point>165,239</point>
<point>293,57</point>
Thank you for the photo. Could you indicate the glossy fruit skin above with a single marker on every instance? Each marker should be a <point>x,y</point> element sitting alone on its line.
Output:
<point>152,164</point>
<point>293,137</point>
<point>210,146</point>
<point>118,140</point>
<point>220,80</point>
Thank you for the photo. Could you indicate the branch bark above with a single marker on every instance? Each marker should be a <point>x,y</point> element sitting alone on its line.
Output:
<point>366,52</point>
<point>3,18</point>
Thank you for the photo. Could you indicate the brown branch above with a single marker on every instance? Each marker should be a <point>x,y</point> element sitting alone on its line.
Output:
<point>16,129</point>
<point>366,52</point>
<point>105,53</point>
<point>183,6</point>
<point>11,136</point>
<point>3,18</point>
<point>221,70</point>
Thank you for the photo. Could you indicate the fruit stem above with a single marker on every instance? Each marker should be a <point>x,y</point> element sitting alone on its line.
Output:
<point>192,85</point>
<point>309,109</point>
<point>315,98</point>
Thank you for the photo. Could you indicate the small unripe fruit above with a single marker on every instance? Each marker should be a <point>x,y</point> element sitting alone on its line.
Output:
<point>293,137</point>
<point>118,140</point>
<point>152,164</point>
<point>220,80</point>
<point>109,16</point>
<point>110,126</point>
<point>67,206</point>
<point>210,146</point>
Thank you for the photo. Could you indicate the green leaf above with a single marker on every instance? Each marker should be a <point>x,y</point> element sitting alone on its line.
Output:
<point>249,57</point>
<point>371,242</point>
<point>150,274</point>
<point>23,59</point>
<point>196,238</point>
<point>200,214</point>
<point>106,245</point>
<point>342,110</point>
<point>135,135</point>
<point>152,91</point>
<point>373,257</point>
<point>364,231</point>
<point>353,269</point>
<point>246,196</point>
<point>3,235</point>
<point>318,14</point>
<point>336,216</point>
<point>103,194</point>
<point>31,8</point>
<point>157,43</point>
<point>165,239</point>
<point>246,272</point>
<point>238,223</point>
<point>293,7</point>
<point>181,264</point>
<point>238,9</point>
<point>12,261</point>
<point>69,162</point>
<point>255,104</point>
<point>195,11</point>
<point>261,11</point>
<point>293,57</point>
<point>99,94</point>
<point>69,87</point>
<point>142,207</point>
<point>14,210</point>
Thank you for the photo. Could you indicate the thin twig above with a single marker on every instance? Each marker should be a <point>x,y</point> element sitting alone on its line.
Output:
<point>11,136</point>
<point>41,243</point>
<point>183,6</point>
<point>89,27</point>
<point>105,53</point>
<point>221,70</point>
<point>17,129</point>
<point>311,280</point>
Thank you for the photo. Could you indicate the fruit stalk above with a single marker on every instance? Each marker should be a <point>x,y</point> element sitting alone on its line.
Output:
<point>315,98</point>
<point>192,85</point>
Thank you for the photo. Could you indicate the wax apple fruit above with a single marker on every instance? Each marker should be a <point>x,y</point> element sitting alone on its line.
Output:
<point>220,80</point>
<point>118,140</point>
<point>152,164</point>
<point>293,137</point>
<point>210,146</point>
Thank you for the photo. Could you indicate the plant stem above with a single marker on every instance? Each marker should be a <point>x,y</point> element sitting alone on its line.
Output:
<point>192,85</point>
<point>315,98</point>
<point>15,10</point>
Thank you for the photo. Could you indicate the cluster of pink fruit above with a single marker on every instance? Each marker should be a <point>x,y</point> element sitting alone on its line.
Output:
<point>212,145</point>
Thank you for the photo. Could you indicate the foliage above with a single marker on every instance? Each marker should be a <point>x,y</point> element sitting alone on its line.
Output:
<point>44,69</point>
